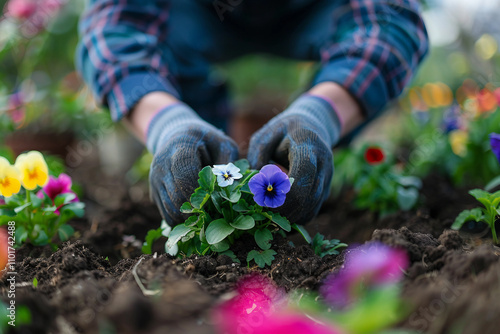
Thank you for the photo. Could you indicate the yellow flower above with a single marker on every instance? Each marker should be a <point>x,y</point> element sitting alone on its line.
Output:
<point>458,142</point>
<point>10,178</point>
<point>33,168</point>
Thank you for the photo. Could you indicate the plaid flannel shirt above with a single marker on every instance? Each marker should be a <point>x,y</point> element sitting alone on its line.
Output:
<point>370,47</point>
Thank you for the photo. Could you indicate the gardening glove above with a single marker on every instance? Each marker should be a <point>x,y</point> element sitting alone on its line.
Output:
<point>182,144</point>
<point>300,138</point>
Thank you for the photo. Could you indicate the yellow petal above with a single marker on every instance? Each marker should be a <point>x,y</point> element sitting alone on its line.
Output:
<point>33,168</point>
<point>9,179</point>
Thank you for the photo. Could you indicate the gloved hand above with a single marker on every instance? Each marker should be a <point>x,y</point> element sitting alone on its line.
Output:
<point>300,138</point>
<point>182,144</point>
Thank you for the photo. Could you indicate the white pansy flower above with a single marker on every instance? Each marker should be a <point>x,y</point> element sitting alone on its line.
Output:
<point>226,174</point>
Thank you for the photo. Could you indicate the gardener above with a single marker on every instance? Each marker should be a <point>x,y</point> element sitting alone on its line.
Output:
<point>150,62</point>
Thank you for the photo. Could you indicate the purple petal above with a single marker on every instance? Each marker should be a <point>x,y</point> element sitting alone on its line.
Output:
<point>65,182</point>
<point>495,144</point>
<point>260,198</point>
<point>258,183</point>
<point>270,170</point>
<point>280,182</point>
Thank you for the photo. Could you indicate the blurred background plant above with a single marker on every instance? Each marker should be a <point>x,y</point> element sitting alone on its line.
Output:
<point>40,92</point>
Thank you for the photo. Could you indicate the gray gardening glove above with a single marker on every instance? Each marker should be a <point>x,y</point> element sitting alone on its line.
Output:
<point>182,144</point>
<point>301,138</point>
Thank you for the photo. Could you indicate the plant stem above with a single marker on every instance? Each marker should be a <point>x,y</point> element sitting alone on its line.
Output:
<point>494,233</point>
<point>28,211</point>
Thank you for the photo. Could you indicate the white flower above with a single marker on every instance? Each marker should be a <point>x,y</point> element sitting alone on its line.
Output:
<point>166,229</point>
<point>226,174</point>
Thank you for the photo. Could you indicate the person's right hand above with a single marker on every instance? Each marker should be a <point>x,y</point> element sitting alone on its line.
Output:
<point>182,144</point>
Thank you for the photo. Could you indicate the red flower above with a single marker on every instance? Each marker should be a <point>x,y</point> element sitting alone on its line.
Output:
<point>374,155</point>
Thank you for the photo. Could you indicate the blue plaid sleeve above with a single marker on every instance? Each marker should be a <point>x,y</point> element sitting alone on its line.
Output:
<point>119,53</point>
<point>374,50</point>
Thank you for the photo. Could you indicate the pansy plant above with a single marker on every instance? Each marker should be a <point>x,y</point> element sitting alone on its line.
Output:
<point>231,202</point>
<point>487,214</point>
<point>39,204</point>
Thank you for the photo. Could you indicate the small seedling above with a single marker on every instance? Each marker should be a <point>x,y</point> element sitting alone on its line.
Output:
<point>35,282</point>
<point>488,214</point>
<point>323,247</point>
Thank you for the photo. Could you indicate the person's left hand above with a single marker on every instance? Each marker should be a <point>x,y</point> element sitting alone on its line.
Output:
<point>300,138</point>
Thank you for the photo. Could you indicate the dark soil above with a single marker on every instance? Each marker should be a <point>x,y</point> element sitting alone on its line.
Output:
<point>101,284</point>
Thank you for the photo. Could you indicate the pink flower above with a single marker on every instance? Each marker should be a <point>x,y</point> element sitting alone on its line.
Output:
<point>55,187</point>
<point>256,298</point>
<point>21,9</point>
<point>292,323</point>
<point>15,108</point>
<point>35,15</point>
<point>366,267</point>
<point>258,308</point>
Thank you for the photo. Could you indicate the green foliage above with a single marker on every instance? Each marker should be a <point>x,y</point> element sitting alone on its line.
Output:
<point>38,221</point>
<point>220,216</point>
<point>379,187</point>
<point>35,282</point>
<point>323,247</point>
<point>488,213</point>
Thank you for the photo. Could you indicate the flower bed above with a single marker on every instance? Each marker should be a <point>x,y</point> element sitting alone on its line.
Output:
<point>84,287</point>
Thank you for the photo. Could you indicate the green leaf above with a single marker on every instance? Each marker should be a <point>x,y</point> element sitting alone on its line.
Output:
<point>199,198</point>
<point>65,232</point>
<point>78,208</point>
<point>217,231</point>
<point>21,235</point>
<point>22,207</point>
<point>42,239</point>
<point>220,246</point>
<point>493,184</point>
<point>231,255</point>
<point>292,180</point>
<point>36,202</point>
<point>407,197</point>
<point>482,196</point>
<point>467,215</point>
<point>261,258</point>
<point>263,238</point>
<point>151,237</point>
<point>233,197</point>
<point>243,165</point>
<point>258,217</point>
<point>35,282</point>
<point>243,222</point>
<point>281,221</point>
<point>217,201</point>
<point>176,234</point>
<point>207,179</point>
<point>410,181</point>
<point>301,229</point>
<point>241,206</point>
<point>192,221</point>
<point>64,199</point>
<point>186,207</point>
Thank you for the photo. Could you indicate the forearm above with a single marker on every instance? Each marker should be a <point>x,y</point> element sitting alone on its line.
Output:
<point>347,108</point>
<point>139,118</point>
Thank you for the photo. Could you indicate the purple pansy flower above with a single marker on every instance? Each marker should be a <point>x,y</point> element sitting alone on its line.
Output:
<point>270,186</point>
<point>365,267</point>
<point>495,144</point>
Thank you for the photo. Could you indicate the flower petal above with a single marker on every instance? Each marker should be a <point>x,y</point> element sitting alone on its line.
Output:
<point>258,184</point>
<point>259,198</point>
<point>280,182</point>
<point>232,169</point>
<point>270,170</point>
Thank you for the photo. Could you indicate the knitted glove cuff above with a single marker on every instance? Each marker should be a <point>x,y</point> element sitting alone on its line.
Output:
<point>168,121</point>
<point>320,111</point>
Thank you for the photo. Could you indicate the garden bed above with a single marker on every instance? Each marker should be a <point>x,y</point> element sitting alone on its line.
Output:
<point>93,285</point>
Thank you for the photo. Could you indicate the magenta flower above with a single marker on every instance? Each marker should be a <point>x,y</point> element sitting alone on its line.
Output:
<point>366,267</point>
<point>21,9</point>
<point>55,187</point>
<point>34,15</point>
<point>290,323</point>
<point>257,297</point>
<point>495,144</point>
<point>270,186</point>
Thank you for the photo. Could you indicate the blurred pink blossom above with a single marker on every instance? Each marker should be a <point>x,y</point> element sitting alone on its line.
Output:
<point>259,308</point>
<point>57,186</point>
<point>34,14</point>
<point>365,267</point>
<point>16,109</point>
